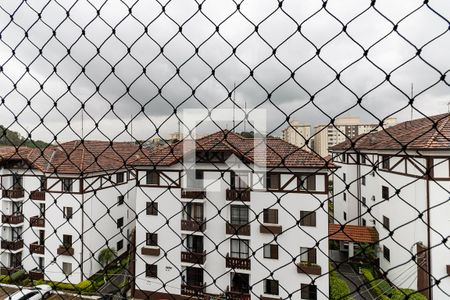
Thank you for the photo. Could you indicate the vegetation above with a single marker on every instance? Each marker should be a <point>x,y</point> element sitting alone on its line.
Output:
<point>106,256</point>
<point>18,276</point>
<point>385,291</point>
<point>12,138</point>
<point>338,287</point>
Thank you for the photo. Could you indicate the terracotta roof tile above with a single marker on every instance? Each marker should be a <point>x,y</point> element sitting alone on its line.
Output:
<point>353,233</point>
<point>432,133</point>
<point>278,153</point>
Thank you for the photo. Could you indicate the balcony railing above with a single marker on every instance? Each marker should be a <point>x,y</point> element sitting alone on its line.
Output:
<point>196,290</point>
<point>242,195</point>
<point>193,257</point>
<point>12,219</point>
<point>12,245</point>
<point>13,194</point>
<point>150,251</point>
<point>36,274</point>
<point>64,250</point>
<point>309,268</point>
<point>201,194</point>
<point>236,295</point>
<point>37,221</point>
<point>37,195</point>
<point>270,228</point>
<point>238,263</point>
<point>193,225</point>
<point>238,229</point>
<point>36,248</point>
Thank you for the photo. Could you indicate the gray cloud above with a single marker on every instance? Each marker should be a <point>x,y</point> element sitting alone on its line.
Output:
<point>149,98</point>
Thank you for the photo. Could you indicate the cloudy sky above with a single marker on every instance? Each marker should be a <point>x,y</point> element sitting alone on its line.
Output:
<point>148,60</point>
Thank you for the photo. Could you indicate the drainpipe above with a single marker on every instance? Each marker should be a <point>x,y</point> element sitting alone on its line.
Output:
<point>82,228</point>
<point>429,175</point>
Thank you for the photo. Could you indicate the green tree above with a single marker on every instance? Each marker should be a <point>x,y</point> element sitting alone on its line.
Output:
<point>106,256</point>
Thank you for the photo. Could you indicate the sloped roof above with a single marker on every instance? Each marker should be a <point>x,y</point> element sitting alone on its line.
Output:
<point>353,233</point>
<point>76,156</point>
<point>431,133</point>
<point>278,153</point>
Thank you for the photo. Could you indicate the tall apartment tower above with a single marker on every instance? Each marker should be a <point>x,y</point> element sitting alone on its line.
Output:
<point>298,134</point>
<point>237,233</point>
<point>344,128</point>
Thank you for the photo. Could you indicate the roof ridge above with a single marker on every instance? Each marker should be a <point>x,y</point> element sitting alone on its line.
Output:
<point>438,130</point>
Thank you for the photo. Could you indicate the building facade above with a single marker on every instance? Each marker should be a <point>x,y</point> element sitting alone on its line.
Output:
<point>299,135</point>
<point>237,232</point>
<point>344,128</point>
<point>398,181</point>
<point>60,208</point>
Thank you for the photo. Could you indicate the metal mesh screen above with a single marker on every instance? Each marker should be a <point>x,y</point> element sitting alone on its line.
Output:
<point>224,149</point>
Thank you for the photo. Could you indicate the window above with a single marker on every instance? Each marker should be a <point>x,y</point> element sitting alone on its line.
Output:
<point>119,245</point>
<point>151,239</point>
<point>363,159</point>
<point>344,177</point>
<point>386,222</point>
<point>364,201</point>
<point>152,177</point>
<point>67,268</point>
<point>273,181</point>
<point>309,291</point>
<point>239,214</point>
<point>194,276</point>
<point>374,199</point>
<point>120,177</point>
<point>42,209</point>
<point>385,162</point>
<point>307,182</point>
<point>67,212</point>
<point>17,182</point>
<point>239,248</point>
<point>345,216</point>
<point>270,216</point>
<point>385,193</point>
<point>364,222</point>
<point>345,196</point>
<point>193,211</point>
<point>42,183</point>
<point>271,287</point>
<point>194,179</point>
<point>151,270</point>
<point>307,218</point>
<point>386,253</point>
<point>308,255</point>
<point>67,240</point>
<point>239,181</point>
<point>363,180</point>
<point>119,222</point>
<point>120,200</point>
<point>152,208</point>
<point>67,184</point>
<point>270,251</point>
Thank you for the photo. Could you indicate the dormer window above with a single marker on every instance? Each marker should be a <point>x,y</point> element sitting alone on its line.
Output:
<point>152,178</point>
<point>67,184</point>
<point>273,181</point>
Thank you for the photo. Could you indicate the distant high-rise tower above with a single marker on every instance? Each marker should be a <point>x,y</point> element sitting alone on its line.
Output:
<point>298,135</point>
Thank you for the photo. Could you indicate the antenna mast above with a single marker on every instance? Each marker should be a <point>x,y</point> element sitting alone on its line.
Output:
<point>234,105</point>
<point>412,96</point>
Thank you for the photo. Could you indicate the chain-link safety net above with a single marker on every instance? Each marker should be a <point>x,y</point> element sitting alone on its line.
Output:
<point>225,149</point>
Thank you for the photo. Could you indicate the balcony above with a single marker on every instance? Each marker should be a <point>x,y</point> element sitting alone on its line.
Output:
<point>36,248</point>
<point>237,229</point>
<point>242,195</point>
<point>12,245</point>
<point>150,251</point>
<point>36,274</point>
<point>15,219</point>
<point>193,257</point>
<point>270,228</point>
<point>13,194</point>
<point>238,263</point>
<point>192,290</point>
<point>37,221</point>
<point>201,194</point>
<point>9,271</point>
<point>37,195</point>
<point>309,268</point>
<point>65,250</point>
<point>236,295</point>
<point>193,225</point>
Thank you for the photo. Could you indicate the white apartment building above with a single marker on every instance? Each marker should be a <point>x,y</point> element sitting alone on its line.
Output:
<point>298,134</point>
<point>326,136</point>
<point>61,207</point>
<point>398,181</point>
<point>236,232</point>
